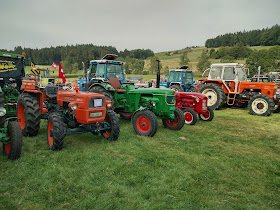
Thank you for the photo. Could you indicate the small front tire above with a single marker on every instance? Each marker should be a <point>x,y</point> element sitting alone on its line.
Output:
<point>55,132</point>
<point>208,115</point>
<point>113,120</point>
<point>177,123</point>
<point>145,123</point>
<point>261,105</point>
<point>190,116</point>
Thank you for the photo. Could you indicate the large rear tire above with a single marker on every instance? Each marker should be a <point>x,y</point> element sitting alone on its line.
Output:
<point>108,95</point>
<point>176,124</point>
<point>28,114</point>
<point>215,94</point>
<point>261,105</point>
<point>192,89</point>
<point>55,132</point>
<point>113,120</point>
<point>13,149</point>
<point>177,88</point>
<point>145,123</point>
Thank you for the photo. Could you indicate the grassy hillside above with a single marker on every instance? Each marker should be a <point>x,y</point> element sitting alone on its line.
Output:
<point>232,162</point>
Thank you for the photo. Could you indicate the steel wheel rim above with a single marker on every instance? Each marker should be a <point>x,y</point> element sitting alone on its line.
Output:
<point>20,115</point>
<point>211,95</point>
<point>143,124</point>
<point>260,106</point>
<point>188,117</point>
<point>50,138</point>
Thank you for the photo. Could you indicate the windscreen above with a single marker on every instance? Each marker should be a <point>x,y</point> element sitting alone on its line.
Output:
<point>115,71</point>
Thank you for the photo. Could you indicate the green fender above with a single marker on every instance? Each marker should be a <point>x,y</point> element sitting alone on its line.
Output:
<point>106,86</point>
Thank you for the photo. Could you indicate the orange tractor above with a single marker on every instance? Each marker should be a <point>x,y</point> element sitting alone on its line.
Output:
<point>227,84</point>
<point>67,111</point>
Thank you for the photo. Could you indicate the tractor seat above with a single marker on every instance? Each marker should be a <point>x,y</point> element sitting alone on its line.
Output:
<point>51,91</point>
<point>115,83</point>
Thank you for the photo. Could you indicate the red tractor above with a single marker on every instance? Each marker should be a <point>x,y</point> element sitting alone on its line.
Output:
<point>67,111</point>
<point>192,104</point>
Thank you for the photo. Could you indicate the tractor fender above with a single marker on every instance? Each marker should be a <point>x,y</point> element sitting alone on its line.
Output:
<point>140,109</point>
<point>106,86</point>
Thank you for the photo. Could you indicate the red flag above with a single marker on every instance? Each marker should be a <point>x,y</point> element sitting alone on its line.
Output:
<point>61,74</point>
<point>54,65</point>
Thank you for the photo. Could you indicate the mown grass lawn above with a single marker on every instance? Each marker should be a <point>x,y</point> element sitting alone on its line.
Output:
<point>232,162</point>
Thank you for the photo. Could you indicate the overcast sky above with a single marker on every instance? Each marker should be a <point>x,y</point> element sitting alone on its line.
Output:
<point>160,25</point>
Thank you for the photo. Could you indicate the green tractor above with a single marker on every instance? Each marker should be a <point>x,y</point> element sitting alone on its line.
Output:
<point>11,72</point>
<point>142,105</point>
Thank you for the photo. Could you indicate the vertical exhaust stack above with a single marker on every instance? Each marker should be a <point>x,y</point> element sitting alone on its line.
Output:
<point>158,75</point>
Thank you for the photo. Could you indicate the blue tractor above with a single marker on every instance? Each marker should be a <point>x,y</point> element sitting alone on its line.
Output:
<point>180,79</point>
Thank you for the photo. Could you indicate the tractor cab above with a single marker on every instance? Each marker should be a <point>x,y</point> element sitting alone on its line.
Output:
<point>106,68</point>
<point>180,79</point>
<point>230,74</point>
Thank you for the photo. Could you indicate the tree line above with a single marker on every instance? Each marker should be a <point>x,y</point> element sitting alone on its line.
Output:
<point>263,37</point>
<point>72,56</point>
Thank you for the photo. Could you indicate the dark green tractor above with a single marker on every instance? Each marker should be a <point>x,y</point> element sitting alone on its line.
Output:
<point>11,73</point>
<point>10,133</point>
<point>142,105</point>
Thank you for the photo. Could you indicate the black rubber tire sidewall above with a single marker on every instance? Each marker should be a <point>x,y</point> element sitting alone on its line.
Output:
<point>177,87</point>
<point>211,113</point>
<point>115,125</point>
<point>267,99</point>
<point>58,131</point>
<point>194,116</point>
<point>153,122</point>
<point>181,120</point>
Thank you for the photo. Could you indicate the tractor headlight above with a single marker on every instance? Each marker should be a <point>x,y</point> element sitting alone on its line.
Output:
<point>109,105</point>
<point>153,103</point>
<point>2,111</point>
<point>74,106</point>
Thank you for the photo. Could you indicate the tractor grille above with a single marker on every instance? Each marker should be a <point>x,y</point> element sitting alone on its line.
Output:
<point>96,103</point>
<point>204,107</point>
<point>170,100</point>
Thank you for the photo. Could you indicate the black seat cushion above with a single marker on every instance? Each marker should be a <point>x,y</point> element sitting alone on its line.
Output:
<point>51,91</point>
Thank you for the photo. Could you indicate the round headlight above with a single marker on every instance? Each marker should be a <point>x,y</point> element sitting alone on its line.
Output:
<point>74,106</point>
<point>2,111</point>
<point>109,105</point>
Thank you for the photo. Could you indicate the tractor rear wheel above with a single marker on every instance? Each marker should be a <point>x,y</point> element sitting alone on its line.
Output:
<point>145,123</point>
<point>28,114</point>
<point>177,123</point>
<point>276,109</point>
<point>108,95</point>
<point>208,115</point>
<point>113,120</point>
<point>177,88</point>
<point>126,116</point>
<point>215,94</point>
<point>192,89</point>
<point>55,132</point>
<point>261,105</point>
<point>190,116</point>
<point>13,149</point>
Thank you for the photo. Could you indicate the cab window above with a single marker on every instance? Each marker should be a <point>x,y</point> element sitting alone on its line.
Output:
<point>178,76</point>
<point>229,73</point>
<point>215,72</point>
<point>241,74</point>
<point>101,70</point>
<point>93,68</point>
<point>171,76</point>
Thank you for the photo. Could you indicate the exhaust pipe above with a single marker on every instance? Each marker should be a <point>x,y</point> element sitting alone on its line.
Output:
<point>158,75</point>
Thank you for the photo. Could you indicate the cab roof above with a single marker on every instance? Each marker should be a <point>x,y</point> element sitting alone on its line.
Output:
<point>184,70</point>
<point>10,55</point>
<point>227,64</point>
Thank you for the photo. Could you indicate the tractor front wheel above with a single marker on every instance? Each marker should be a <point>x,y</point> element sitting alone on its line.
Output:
<point>261,105</point>
<point>145,123</point>
<point>215,94</point>
<point>177,88</point>
<point>13,149</point>
<point>28,114</point>
<point>55,132</point>
<point>177,123</point>
<point>208,115</point>
<point>113,120</point>
<point>190,116</point>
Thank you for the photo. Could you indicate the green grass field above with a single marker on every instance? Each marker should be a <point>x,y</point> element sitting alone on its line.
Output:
<point>232,162</point>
